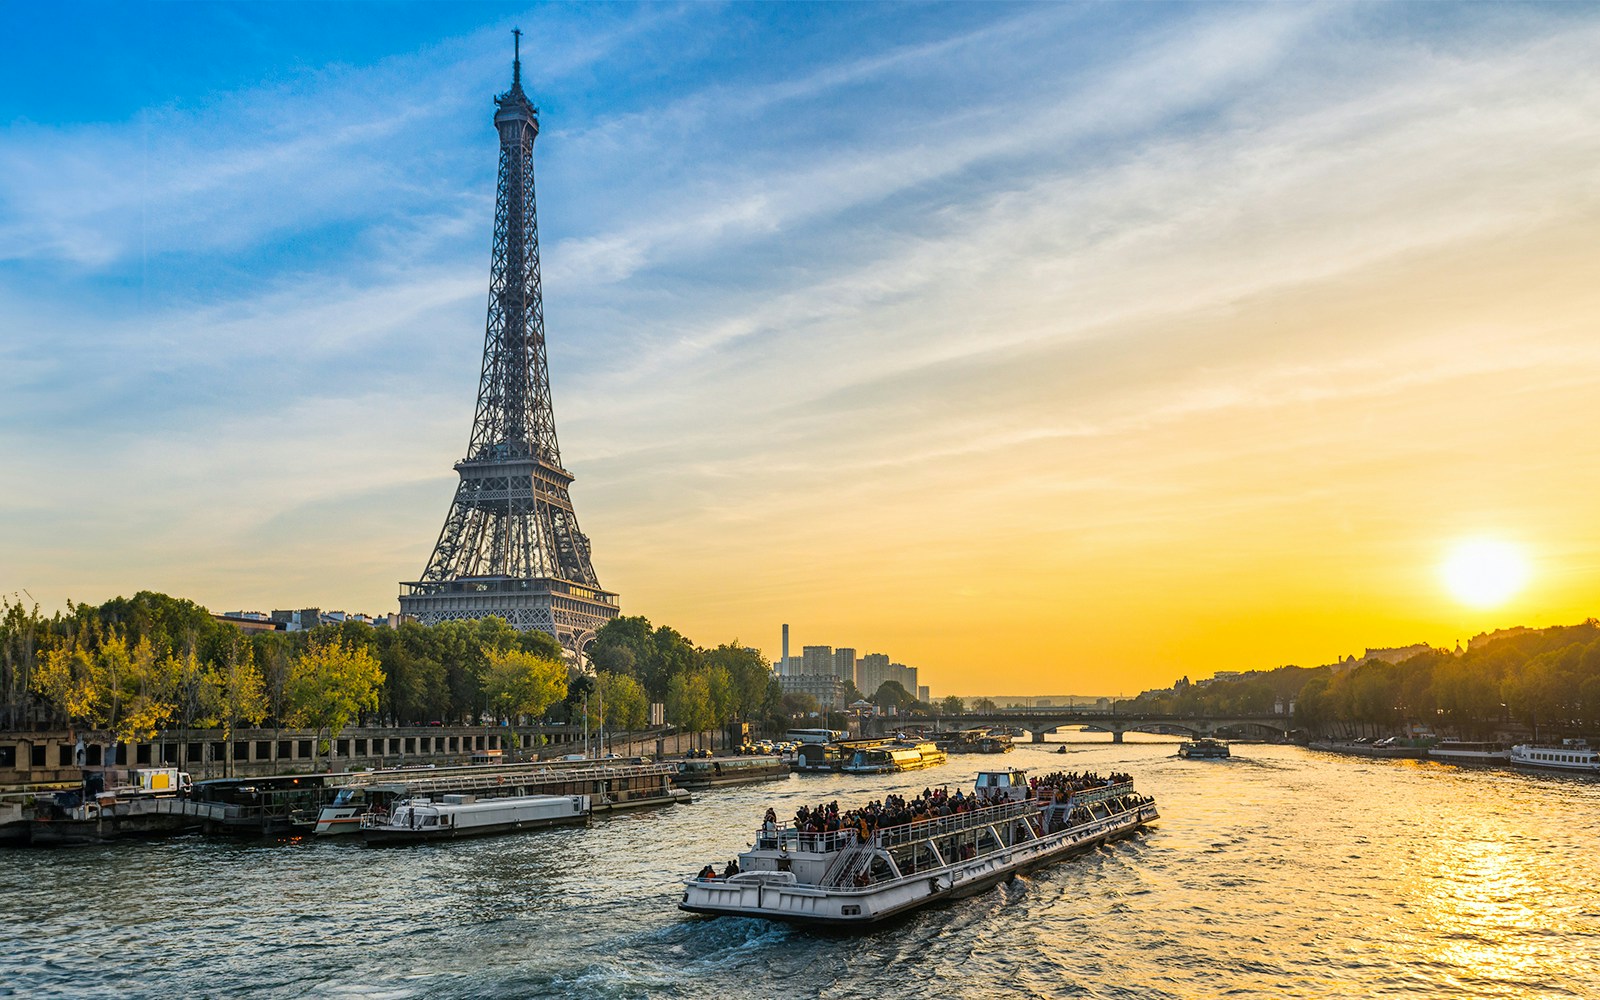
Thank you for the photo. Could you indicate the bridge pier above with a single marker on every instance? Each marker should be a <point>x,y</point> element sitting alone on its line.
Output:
<point>1038,736</point>
<point>1116,736</point>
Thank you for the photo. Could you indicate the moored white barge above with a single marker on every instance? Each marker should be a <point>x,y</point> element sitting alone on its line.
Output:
<point>1570,755</point>
<point>465,816</point>
<point>840,879</point>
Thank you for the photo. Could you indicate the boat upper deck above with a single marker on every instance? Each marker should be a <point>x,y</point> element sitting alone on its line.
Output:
<point>795,840</point>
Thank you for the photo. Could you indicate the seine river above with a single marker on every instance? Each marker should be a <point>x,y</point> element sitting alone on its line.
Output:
<point>1280,873</point>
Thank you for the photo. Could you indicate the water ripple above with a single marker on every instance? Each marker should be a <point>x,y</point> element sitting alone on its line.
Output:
<point>1280,873</point>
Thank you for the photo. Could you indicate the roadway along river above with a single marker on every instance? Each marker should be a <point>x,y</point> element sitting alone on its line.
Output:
<point>1280,873</point>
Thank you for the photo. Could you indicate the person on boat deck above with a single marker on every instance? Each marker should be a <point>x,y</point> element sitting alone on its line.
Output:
<point>709,871</point>
<point>731,870</point>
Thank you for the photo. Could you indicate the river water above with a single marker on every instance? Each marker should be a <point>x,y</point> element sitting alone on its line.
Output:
<point>1280,873</point>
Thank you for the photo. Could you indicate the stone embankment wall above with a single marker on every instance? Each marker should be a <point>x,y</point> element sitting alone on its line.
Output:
<point>33,759</point>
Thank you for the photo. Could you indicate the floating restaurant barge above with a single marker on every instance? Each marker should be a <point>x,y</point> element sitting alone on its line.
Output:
<point>332,804</point>
<point>843,879</point>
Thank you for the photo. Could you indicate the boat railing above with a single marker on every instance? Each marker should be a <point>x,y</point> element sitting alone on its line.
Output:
<point>492,781</point>
<point>939,826</point>
<point>792,838</point>
<point>476,773</point>
<point>849,863</point>
<point>820,842</point>
<point>1088,795</point>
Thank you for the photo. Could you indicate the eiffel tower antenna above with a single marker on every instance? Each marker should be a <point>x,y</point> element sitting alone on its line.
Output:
<point>510,545</point>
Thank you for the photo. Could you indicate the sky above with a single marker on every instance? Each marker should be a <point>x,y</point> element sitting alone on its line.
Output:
<point>1044,347</point>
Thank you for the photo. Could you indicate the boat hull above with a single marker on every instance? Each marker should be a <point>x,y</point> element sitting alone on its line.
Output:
<point>384,836</point>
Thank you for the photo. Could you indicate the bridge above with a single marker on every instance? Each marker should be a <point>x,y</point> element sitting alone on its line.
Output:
<point>1040,721</point>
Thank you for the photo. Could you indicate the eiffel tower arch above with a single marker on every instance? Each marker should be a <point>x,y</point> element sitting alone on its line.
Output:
<point>510,545</point>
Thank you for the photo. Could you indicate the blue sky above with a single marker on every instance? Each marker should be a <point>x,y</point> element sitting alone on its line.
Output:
<point>911,325</point>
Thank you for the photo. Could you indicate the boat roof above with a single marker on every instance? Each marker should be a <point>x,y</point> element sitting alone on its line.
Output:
<point>1014,775</point>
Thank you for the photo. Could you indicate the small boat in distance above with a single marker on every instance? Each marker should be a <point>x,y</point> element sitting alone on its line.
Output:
<point>455,816</point>
<point>1464,752</point>
<point>1204,749</point>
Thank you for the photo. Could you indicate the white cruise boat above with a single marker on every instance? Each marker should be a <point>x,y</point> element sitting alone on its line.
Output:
<point>843,879</point>
<point>466,816</point>
<point>1205,748</point>
<point>1571,755</point>
<point>1465,752</point>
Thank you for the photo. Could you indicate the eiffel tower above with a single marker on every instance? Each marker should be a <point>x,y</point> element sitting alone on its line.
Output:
<point>510,545</point>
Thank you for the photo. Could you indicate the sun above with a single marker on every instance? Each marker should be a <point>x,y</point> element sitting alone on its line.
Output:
<point>1483,572</point>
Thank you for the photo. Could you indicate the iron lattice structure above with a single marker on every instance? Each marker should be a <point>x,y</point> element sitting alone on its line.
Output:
<point>510,545</point>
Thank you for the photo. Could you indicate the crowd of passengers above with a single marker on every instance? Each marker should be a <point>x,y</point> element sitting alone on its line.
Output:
<point>896,810</point>
<point>1064,783</point>
<point>819,826</point>
<point>893,810</point>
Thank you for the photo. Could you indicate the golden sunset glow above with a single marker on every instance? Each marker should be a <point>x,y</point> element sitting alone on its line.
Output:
<point>1054,378</point>
<point>1484,572</point>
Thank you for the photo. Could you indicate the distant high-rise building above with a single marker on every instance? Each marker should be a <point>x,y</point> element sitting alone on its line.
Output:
<point>871,671</point>
<point>844,664</point>
<point>816,660</point>
<point>828,689</point>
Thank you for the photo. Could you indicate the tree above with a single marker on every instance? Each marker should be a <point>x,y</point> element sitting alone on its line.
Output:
<point>21,633</point>
<point>416,685</point>
<point>719,686</point>
<point>799,705</point>
<point>747,676</point>
<point>985,705</point>
<point>891,694</point>
<point>234,692</point>
<point>952,705</point>
<point>66,680</point>
<point>670,656</point>
<point>688,702</point>
<point>330,684</point>
<point>272,653</point>
<point>579,709</point>
<point>516,683</point>
<point>134,693</point>
<point>626,707</point>
<point>540,644</point>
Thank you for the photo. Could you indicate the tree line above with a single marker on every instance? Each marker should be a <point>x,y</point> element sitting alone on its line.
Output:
<point>1545,679</point>
<point>150,663</point>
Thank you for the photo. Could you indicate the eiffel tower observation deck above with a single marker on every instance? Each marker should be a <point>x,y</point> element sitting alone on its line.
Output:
<point>510,545</point>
